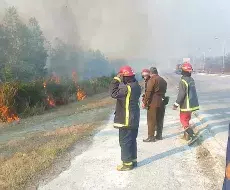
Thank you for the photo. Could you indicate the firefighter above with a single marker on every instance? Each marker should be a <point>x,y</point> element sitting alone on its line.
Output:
<point>126,90</point>
<point>226,184</point>
<point>187,100</point>
<point>153,102</point>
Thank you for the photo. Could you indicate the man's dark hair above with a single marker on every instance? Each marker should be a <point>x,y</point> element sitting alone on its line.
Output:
<point>153,70</point>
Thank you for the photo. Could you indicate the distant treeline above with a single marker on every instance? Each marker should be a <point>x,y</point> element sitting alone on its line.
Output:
<point>25,53</point>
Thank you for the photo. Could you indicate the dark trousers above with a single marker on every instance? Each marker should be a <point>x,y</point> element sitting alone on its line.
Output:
<point>155,117</point>
<point>160,120</point>
<point>128,144</point>
<point>226,185</point>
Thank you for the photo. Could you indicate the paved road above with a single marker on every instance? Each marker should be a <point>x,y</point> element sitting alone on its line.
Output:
<point>163,165</point>
<point>214,93</point>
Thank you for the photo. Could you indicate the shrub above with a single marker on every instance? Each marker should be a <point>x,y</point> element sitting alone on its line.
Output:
<point>30,95</point>
<point>8,93</point>
<point>27,99</point>
<point>62,92</point>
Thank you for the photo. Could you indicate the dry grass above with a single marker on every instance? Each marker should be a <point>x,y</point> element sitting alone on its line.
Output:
<point>39,154</point>
<point>21,161</point>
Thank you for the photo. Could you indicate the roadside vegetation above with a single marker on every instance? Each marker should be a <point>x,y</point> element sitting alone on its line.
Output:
<point>37,75</point>
<point>36,78</point>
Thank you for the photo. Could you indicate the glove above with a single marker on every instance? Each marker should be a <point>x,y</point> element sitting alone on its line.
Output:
<point>119,75</point>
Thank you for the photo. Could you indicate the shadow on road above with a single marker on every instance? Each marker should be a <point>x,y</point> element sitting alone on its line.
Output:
<point>213,128</point>
<point>163,155</point>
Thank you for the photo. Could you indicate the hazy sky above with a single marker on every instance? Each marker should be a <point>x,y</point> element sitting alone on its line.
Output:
<point>152,29</point>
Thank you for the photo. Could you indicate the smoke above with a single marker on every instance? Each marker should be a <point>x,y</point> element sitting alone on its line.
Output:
<point>118,28</point>
<point>148,30</point>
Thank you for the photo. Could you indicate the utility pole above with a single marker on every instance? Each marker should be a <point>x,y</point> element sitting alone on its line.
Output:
<point>224,50</point>
<point>223,66</point>
<point>204,60</point>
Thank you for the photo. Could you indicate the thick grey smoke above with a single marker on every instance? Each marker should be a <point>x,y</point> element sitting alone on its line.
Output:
<point>118,28</point>
<point>157,30</point>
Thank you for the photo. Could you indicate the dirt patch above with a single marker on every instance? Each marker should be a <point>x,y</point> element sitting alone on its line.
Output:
<point>38,153</point>
<point>209,166</point>
<point>30,158</point>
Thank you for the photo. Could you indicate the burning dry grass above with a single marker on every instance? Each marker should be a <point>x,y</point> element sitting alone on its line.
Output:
<point>81,95</point>
<point>38,153</point>
<point>7,95</point>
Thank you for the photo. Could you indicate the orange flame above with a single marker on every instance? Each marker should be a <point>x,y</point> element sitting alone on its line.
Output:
<point>44,84</point>
<point>51,101</point>
<point>7,115</point>
<point>81,95</point>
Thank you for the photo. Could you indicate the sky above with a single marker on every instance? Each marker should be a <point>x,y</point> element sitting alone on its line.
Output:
<point>156,30</point>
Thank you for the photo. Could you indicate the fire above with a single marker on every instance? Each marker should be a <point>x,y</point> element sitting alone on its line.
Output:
<point>81,95</point>
<point>50,101</point>
<point>44,84</point>
<point>7,115</point>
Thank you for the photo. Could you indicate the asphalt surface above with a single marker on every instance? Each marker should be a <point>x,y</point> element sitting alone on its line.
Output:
<point>164,165</point>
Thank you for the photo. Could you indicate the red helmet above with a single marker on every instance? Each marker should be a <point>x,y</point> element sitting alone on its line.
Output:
<point>187,67</point>
<point>145,72</point>
<point>126,71</point>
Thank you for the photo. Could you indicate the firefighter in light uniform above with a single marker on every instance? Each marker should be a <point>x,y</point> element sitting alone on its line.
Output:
<point>187,100</point>
<point>126,90</point>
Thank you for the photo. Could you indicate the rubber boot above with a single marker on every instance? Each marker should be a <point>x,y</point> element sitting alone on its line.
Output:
<point>190,133</point>
<point>134,163</point>
<point>125,166</point>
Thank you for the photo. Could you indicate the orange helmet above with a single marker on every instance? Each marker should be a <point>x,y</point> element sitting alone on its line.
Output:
<point>126,71</point>
<point>187,67</point>
<point>145,72</point>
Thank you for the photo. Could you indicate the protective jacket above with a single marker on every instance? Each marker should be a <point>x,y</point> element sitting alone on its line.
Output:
<point>187,97</point>
<point>127,113</point>
<point>155,91</point>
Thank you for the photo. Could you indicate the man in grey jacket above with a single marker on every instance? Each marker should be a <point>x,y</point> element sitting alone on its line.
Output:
<point>187,100</point>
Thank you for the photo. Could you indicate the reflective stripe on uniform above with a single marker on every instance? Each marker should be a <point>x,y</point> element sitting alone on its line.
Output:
<point>191,109</point>
<point>117,78</point>
<point>187,100</point>
<point>128,163</point>
<point>118,125</point>
<point>127,102</point>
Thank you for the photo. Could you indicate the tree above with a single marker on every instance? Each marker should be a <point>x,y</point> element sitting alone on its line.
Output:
<point>37,53</point>
<point>24,56</point>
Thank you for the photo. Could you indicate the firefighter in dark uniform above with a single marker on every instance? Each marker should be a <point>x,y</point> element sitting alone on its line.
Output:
<point>126,89</point>
<point>155,105</point>
<point>187,100</point>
